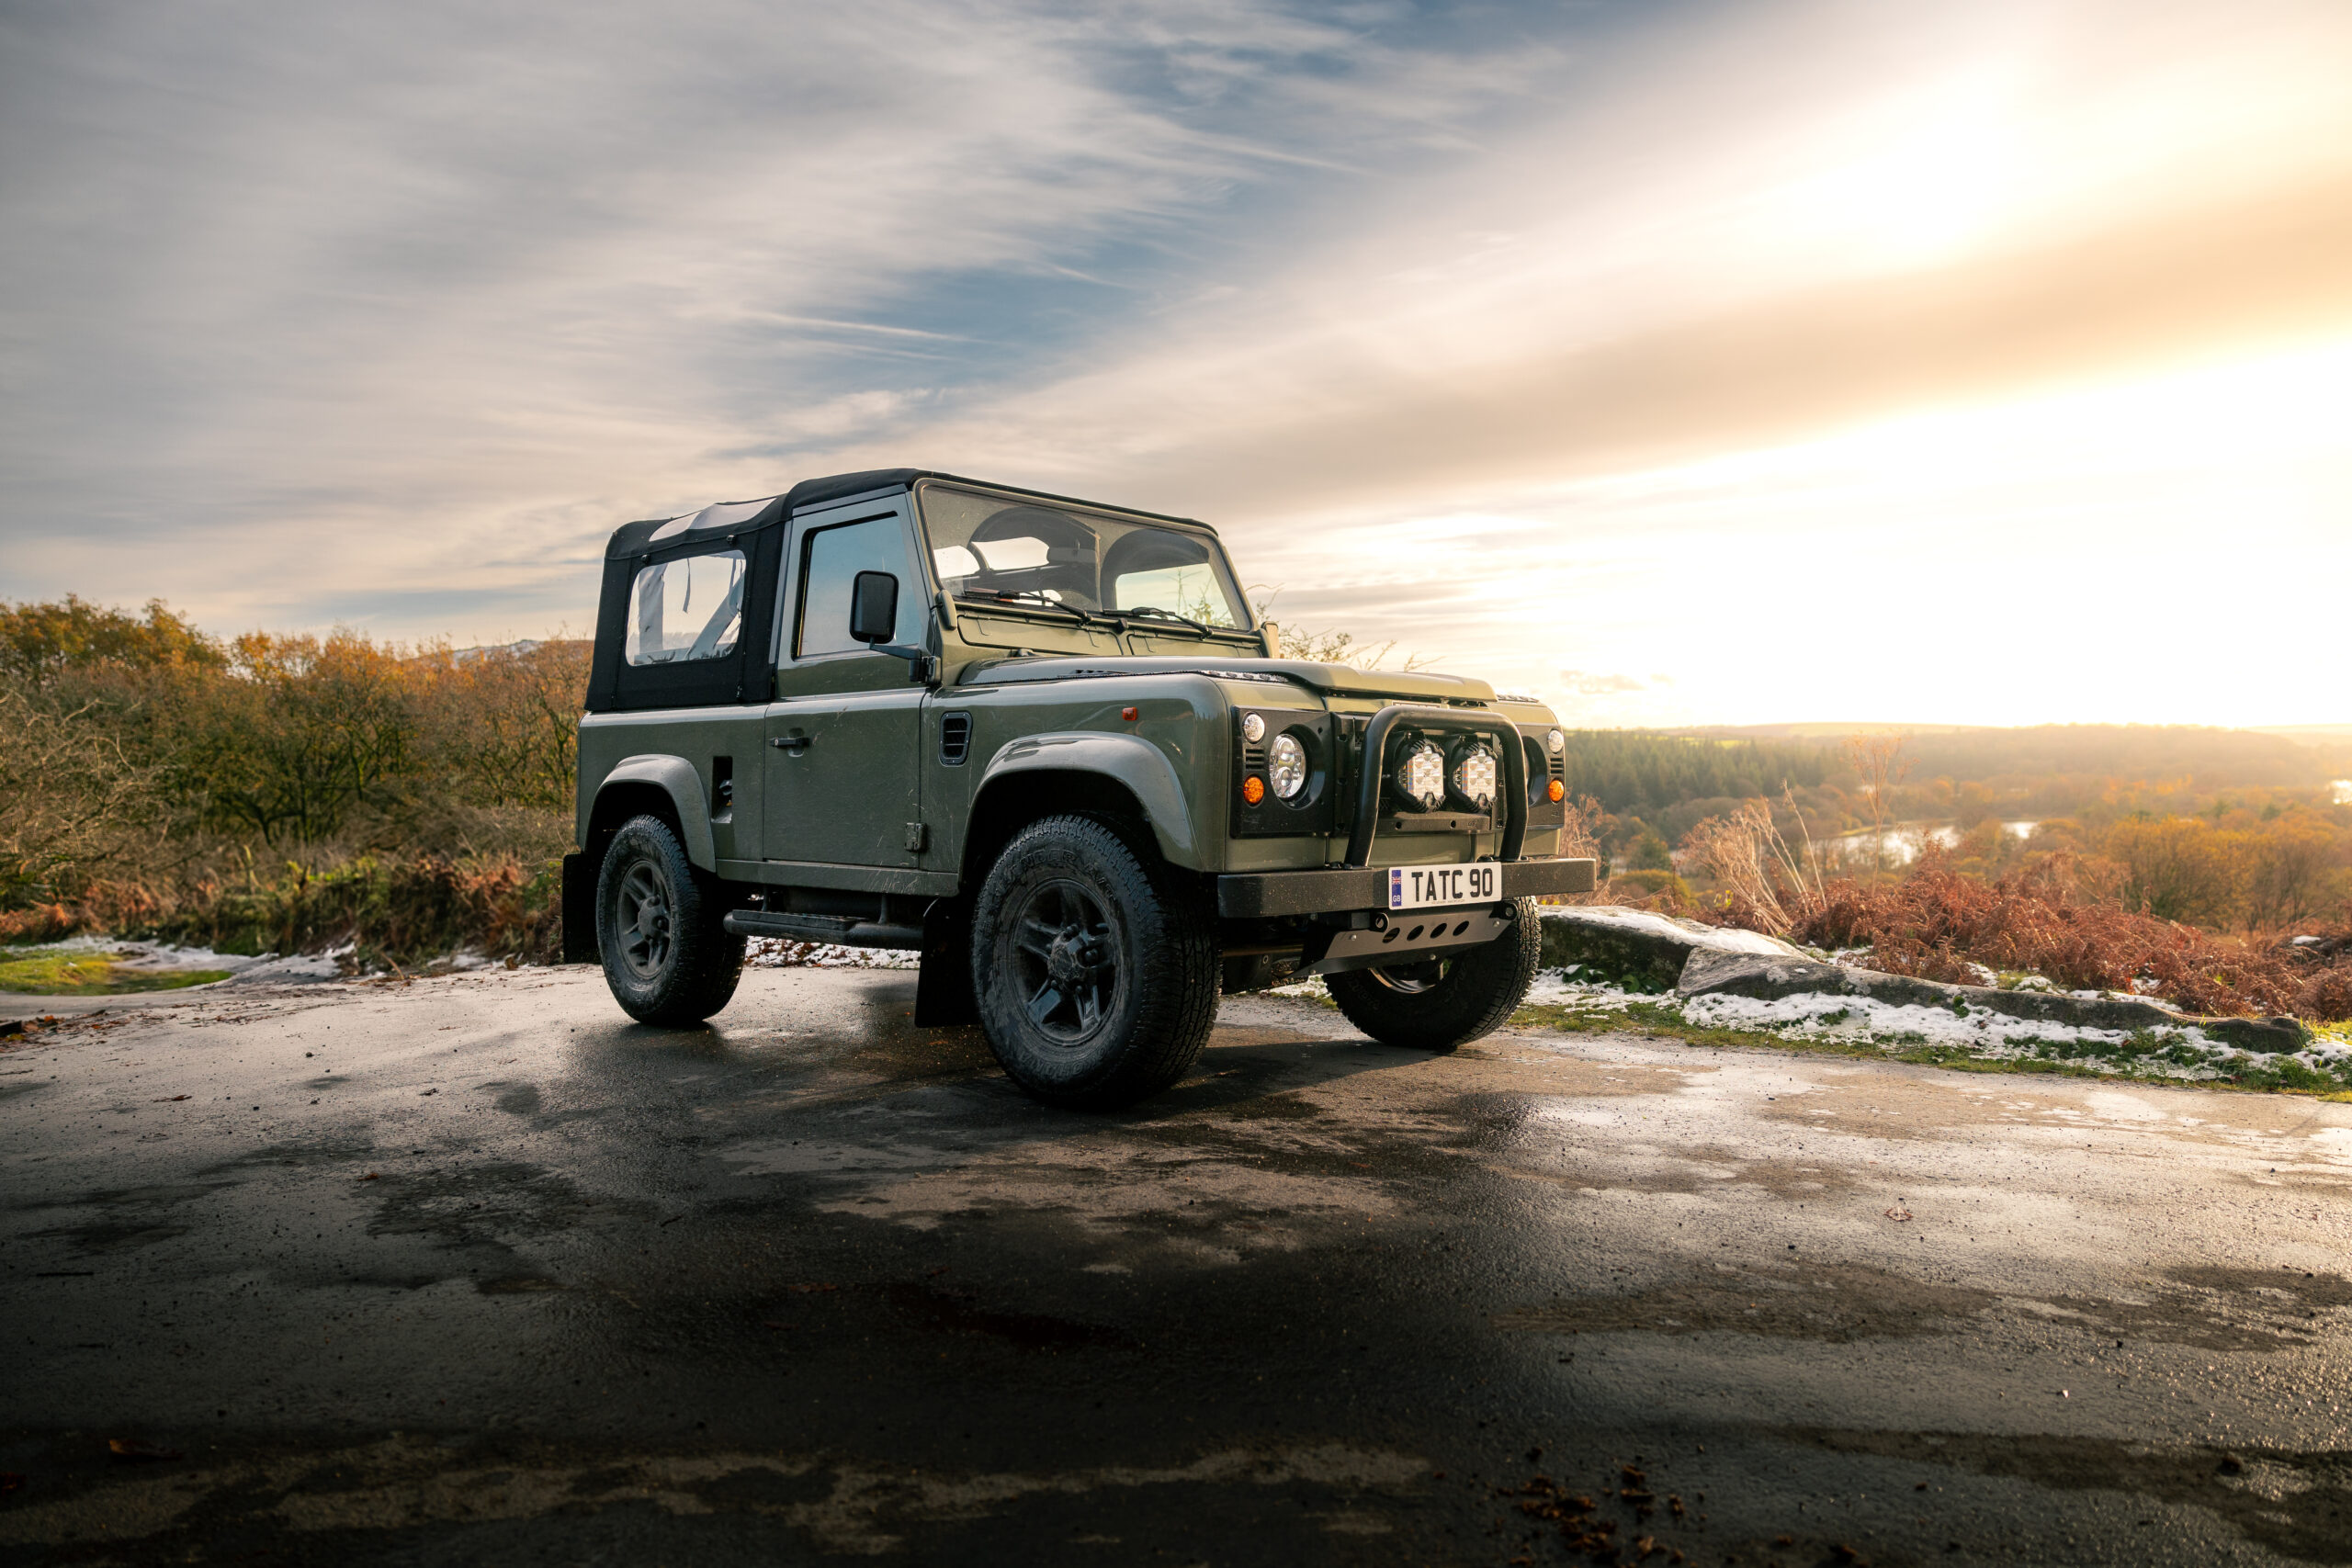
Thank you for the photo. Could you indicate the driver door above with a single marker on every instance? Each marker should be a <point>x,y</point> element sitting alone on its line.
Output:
<point>843,779</point>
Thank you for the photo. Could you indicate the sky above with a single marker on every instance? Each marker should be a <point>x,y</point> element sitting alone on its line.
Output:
<point>1680,363</point>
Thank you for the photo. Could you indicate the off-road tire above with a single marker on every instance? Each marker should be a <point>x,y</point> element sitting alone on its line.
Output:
<point>1094,966</point>
<point>1471,996</point>
<point>668,957</point>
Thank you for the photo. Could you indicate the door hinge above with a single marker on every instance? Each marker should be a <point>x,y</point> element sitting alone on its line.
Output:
<point>917,838</point>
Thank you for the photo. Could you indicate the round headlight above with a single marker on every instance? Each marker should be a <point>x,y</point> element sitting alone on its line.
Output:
<point>1420,777</point>
<point>1474,778</point>
<point>1286,766</point>
<point>1253,728</point>
<point>1556,742</point>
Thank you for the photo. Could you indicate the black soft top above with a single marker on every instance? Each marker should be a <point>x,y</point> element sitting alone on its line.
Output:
<point>632,539</point>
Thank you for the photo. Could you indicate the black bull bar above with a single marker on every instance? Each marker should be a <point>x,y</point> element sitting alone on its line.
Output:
<point>1358,884</point>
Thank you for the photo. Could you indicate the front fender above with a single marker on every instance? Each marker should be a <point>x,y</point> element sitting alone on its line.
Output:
<point>675,777</point>
<point>1129,760</point>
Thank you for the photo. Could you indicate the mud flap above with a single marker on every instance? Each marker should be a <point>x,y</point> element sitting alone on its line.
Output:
<point>944,987</point>
<point>580,909</point>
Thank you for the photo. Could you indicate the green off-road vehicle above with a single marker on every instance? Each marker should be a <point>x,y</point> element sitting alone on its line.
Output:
<point>1046,744</point>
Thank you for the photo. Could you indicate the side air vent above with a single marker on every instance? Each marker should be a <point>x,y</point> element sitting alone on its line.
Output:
<point>955,739</point>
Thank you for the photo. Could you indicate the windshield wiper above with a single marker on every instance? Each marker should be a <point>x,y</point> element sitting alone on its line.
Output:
<point>1031,596</point>
<point>1155,613</point>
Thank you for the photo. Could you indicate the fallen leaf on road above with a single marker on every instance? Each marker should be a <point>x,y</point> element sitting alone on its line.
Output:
<point>1898,1214</point>
<point>167,1099</point>
<point>372,1176</point>
<point>137,1451</point>
<point>428,1091</point>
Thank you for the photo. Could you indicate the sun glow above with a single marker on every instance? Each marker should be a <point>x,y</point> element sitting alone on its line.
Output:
<point>2104,551</point>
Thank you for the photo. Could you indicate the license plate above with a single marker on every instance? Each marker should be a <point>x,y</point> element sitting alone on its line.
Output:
<point>1433,887</point>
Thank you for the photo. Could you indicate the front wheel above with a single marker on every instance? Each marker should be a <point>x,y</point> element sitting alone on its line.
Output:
<point>1439,1003</point>
<point>668,955</point>
<point>1095,969</point>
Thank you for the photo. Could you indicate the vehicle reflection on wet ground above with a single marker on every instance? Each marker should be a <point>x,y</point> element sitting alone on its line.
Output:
<point>474,1270</point>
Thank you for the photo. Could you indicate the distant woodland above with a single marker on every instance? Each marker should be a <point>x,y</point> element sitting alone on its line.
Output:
<point>265,793</point>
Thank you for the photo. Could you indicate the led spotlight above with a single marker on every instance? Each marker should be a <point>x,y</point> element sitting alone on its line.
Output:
<point>1474,777</point>
<point>1421,776</point>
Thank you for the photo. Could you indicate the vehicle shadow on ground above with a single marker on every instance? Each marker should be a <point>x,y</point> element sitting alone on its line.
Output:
<point>873,1056</point>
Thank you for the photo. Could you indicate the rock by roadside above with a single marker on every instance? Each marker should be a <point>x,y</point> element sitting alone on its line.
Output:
<point>1768,976</point>
<point>1642,951</point>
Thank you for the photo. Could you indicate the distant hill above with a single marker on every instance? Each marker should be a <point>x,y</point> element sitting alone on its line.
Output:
<point>2209,758</point>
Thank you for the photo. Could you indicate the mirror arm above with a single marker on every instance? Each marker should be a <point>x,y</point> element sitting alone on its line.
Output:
<point>920,663</point>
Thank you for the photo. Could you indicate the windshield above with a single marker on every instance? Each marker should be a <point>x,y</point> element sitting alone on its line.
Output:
<point>983,546</point>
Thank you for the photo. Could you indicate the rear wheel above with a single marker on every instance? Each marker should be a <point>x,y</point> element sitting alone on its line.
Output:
<point>1436,1004</point>
<point>1095,969</point>
<point>660,929</point>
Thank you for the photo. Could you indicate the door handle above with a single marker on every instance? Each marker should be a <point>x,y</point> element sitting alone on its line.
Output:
<point>793,744</point>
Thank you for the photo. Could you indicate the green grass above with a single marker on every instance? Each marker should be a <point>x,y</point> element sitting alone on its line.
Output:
<point>52,973</point>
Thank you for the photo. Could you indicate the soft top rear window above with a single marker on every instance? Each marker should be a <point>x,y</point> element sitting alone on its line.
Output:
<point>686,610</point>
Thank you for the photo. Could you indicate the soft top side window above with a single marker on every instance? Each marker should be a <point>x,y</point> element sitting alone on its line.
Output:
<point>685,609</point>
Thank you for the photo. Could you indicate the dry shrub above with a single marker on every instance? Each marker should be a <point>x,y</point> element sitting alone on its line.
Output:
<point>1936,922</point>
<point>1580,839</point>
<point>1638,887</point>
<point>1766,884</point>
<point>405,910</point>
<point>2328,994</point>
<point>42,923</point>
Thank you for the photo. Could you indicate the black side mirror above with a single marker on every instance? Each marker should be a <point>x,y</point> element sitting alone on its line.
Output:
<point>872,606</point>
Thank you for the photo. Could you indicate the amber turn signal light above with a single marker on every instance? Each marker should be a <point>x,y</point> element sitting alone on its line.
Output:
<point>1253,789</point>
<point>1554,790</point>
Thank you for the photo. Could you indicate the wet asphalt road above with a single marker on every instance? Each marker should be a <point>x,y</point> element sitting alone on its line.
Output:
<point>475,1271</point>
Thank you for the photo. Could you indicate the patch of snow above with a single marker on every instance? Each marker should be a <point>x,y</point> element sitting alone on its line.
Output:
<point>299,969</point>
<point>1725,939</point>
<point>1561,989</point>
<point>1867,1018</point>
<point>777,953</point>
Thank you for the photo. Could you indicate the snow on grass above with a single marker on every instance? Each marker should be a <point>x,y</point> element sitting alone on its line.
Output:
<point>96,965</point>
<point>1914,1031</point>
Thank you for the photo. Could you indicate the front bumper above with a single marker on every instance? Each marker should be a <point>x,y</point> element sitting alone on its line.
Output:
<point>1271,894</point>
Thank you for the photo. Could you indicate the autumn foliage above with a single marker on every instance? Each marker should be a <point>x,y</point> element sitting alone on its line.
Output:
<point>283,793</point>
<point>1940,925</point>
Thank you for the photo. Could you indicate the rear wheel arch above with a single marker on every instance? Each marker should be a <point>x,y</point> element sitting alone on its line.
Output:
<point>619,802</point>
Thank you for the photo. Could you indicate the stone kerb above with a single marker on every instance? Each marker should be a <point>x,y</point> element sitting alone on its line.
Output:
<point>1642,951</point>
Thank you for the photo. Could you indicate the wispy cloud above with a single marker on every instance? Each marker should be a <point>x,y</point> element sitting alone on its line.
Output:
<point>1523,333</point>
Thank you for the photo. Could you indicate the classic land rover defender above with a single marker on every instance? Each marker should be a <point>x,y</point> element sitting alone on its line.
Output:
<point>1043,743</point>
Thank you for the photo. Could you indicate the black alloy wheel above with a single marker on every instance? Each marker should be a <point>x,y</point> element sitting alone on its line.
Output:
<point>1438,1003</point>
<point>1095,964</point>
<point>641,921</point>
<point>660,929</point>
<point>1066,949</point>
